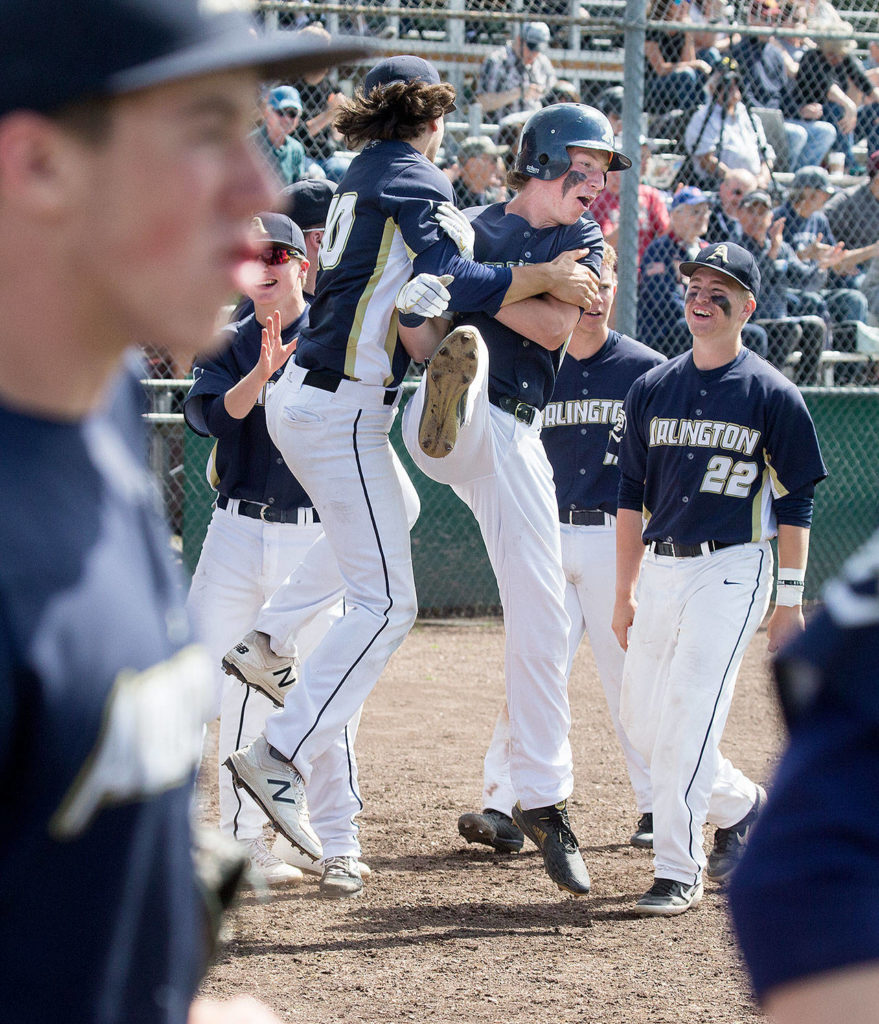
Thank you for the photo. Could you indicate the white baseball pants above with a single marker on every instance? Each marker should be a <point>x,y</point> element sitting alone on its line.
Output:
<point>336,444</point>
<point>242,562</point>
<point>589,563</point>
<point>694,621</point>
<point>500,470</point>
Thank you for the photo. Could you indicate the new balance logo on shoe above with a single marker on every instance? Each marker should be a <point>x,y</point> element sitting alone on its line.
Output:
<point>278,795</point>
<point>288,676</point>
<point>242,648</point>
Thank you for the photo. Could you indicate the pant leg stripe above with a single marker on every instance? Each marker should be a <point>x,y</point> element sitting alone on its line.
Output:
<point>390,603</point>
<point>716,702</point>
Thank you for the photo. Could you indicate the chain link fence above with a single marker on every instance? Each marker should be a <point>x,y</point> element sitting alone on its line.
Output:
<point>722,103</point>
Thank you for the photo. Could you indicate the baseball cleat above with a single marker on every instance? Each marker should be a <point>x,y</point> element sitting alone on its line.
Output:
<point>283,848</point>
<point>278,788</point>
<point>268,868</point>
<point>730,843</point>
<point>492,828</point>
<point>643,835</point>
<point>254,662</point>
<point>341,878</point>
<point>549,829</point>
<point>667,897</point>
<point>449,372</point>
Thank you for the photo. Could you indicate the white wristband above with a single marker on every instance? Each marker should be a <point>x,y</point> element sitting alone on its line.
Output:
<point>789,589</point>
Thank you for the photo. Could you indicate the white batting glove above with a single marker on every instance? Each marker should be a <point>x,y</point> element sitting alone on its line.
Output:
<point>457,227</point>
<point>425,295</point>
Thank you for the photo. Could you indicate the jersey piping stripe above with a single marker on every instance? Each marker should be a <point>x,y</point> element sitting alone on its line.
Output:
<point>211,468</point>
<point>761,511</point>
<point>390,603</point>
<point>360,324</point>
<point>723,679</point>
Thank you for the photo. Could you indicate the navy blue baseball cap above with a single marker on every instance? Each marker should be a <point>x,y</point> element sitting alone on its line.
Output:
<point>689,195</point>
<point>278,229</point>
<point>729,259</point>
<point>405,67</point>
<point>307,202</point>
<point>52,53</point>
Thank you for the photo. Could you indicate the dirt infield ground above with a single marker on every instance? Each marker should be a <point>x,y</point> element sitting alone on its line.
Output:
<point>450,933</point>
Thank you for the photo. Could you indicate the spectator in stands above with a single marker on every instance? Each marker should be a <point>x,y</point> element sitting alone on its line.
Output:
<point>661,323</point>
<point>281,107</point>
<point>766,74</point>
<point>808,232</point>
<point>516,77</point>
<point>674,77</point>
<point>479,180</point>
<point>827,76</point>
<point>307,204</point>
<point>610,102</point>
<point>723,221</point>
<point>722,136</point>
<point>780,273</point>
<point>653,219</point>
<point>712,44</point>
<point>854,213</point>
<point>320,101</point>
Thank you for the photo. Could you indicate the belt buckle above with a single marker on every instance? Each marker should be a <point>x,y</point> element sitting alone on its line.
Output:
<point>262,513</point>
<point>523,412</point>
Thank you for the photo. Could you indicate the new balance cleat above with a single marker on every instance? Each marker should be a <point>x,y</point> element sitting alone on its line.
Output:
<point>549,829</point>
<point>667,897</point>
<point>341,878</point>
<point>730,843</point>
<point>643,835</point>
<point>254,662</point>
<point>283,848</point>
<point>267,867</point>
<point>492,828</point>
<point>449,372</point>
<point>278,788</point>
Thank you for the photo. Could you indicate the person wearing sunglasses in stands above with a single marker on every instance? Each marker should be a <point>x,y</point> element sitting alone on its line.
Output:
<point>282,108</point>
<point>261,528</point>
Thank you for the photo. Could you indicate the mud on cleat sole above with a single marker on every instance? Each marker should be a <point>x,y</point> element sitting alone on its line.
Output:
<point>449,374</point>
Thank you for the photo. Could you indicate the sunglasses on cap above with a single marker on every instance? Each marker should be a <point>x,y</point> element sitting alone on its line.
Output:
<point>277,255</point>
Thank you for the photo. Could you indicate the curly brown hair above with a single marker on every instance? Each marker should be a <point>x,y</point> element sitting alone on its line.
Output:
<point>516,180</point>
<point>398,110</point>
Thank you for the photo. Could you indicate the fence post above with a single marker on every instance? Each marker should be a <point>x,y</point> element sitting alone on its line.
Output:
<point>633,107</point>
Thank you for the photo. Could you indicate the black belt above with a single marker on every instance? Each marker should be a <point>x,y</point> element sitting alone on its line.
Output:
<point>329,380</point>
<point>660,547</point>
<point>582,516</point>
<point>521,411</point>
<point>253,510</point>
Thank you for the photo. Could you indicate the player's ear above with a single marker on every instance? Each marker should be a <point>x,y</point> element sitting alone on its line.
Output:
<point>303,267</point>
<point>750,306</point>
<point>39,163</point>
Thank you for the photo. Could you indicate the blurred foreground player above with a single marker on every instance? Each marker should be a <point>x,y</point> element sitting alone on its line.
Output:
<point>804,898</point>
<point>124,155</point>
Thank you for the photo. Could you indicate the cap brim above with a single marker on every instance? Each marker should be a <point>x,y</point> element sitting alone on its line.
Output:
<point>276,54</point>
<point>688,269</point>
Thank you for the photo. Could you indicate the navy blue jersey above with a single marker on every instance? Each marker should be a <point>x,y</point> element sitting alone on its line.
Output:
<point>102,699</point>
<point>244,463</point>
<point>841,645</point>
<point>703,454</point>
<point>518,367</point>
<point>577,421</point>
<point>379,229</point>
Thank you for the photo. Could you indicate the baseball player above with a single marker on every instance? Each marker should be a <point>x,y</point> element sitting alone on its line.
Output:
<point>262,526</point>
<point>804,897</point>
<point>717,455</point>
<point>124,154</point>
<point>498,466</point>
<point>331,412</point>
<point>599,367</point>
<point>307,204</point>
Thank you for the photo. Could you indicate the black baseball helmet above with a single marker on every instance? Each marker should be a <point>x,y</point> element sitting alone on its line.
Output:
<point>546,135</point>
